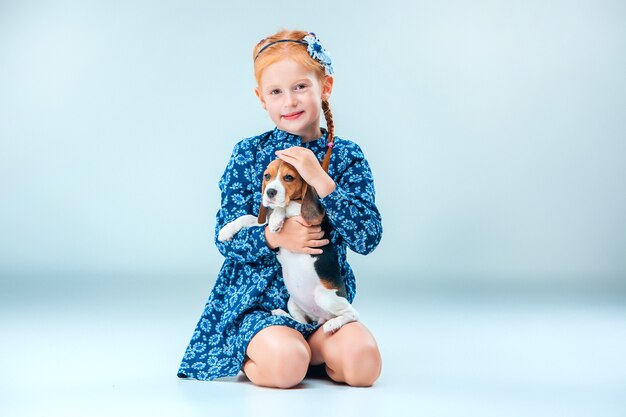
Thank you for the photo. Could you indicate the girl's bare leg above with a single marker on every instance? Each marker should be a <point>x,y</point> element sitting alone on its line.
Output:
<point>351,354</point>
<point>278,356</point>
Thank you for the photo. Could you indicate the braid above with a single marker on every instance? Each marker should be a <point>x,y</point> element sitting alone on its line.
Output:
<point>331,133</point>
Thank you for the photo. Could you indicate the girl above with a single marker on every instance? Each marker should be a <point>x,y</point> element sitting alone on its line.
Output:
<point>237,330</point>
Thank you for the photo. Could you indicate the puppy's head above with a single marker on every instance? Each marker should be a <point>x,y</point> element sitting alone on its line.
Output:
<point>281,184</point>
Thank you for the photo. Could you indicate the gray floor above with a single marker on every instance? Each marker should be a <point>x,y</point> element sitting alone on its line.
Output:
<point>72,348</point>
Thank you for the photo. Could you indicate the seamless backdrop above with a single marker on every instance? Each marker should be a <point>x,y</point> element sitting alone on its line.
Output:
<point>495,130</point>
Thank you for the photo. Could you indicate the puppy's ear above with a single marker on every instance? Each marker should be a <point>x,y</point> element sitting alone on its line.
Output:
<point>262,214</point>
<point>311,211</point>
<point>262,218</point>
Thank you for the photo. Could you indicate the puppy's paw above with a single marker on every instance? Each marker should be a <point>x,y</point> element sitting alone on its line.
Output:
<point>332,325</point>
<point>225,234</point>
<point>280,312</point>
<point>275,227</point>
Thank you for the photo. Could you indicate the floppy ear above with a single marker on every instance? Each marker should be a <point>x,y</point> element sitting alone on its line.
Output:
<point>311,211</point>
<point>262,215</point>
<point>262,210</point>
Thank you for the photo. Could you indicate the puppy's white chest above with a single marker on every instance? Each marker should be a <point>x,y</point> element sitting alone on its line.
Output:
<point>293,209</point>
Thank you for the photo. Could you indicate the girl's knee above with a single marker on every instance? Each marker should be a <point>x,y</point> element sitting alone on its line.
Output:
<point>291,362</point>
<point>285,365</point>
<point>362,365</point>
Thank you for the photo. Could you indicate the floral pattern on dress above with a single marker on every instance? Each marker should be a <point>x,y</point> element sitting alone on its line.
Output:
<point>250,284</point>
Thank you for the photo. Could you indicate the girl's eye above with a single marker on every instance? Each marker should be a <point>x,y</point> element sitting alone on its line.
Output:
<point>288,178</point>
<point>275,91</point>
<point>301,86</point>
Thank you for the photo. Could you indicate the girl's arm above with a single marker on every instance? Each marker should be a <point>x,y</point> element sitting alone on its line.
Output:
<point>351,206</point>
<point>237,199</point>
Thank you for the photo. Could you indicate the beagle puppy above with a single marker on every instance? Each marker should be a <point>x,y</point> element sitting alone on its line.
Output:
<point>317,292</point>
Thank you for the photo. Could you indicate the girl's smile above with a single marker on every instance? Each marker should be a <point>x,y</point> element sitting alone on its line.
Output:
<point>292,116</point>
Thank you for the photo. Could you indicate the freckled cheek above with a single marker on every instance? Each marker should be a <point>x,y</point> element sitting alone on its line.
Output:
<point>272,105</point>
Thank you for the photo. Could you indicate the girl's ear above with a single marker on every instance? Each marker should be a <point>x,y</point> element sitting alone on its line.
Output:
<point>311,211</point>
<point>262,218</point>
<point>327,87</point>
<point>260,96</point>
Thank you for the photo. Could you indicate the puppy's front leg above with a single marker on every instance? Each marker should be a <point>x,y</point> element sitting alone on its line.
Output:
<point>277,218</point>
<point>228,231</point>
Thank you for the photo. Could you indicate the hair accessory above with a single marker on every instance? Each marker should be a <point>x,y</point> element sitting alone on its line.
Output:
<point>318,53</point>
<point>275,42</point>
<point>314,48</point>
<point>331,144</point>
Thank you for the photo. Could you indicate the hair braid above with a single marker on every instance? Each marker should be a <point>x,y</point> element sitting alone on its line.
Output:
<point>331,133</point>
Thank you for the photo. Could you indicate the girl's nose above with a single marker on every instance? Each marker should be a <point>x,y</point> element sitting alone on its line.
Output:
<point>291,98</point>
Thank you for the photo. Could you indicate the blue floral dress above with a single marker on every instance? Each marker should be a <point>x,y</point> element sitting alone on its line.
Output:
<point>249,285</point>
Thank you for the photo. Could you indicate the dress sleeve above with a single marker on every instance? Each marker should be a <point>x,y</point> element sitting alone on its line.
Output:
<point>236,186</point>
<point>351,206</point>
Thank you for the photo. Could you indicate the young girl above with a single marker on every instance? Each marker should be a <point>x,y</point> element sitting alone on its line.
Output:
<point>237,330</point>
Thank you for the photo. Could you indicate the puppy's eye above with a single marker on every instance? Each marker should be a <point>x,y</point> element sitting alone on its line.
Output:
<point>288,178</point>
<point>267,177</point>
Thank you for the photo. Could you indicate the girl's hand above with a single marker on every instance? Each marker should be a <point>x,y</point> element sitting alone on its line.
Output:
<point>309,168</point>
<point>297,236</point>
<point>304,160</point>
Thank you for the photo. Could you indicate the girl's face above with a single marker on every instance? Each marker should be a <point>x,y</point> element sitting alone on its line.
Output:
<point>292,95</point>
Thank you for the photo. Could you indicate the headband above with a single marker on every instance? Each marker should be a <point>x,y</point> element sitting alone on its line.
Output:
<point>314,48</point>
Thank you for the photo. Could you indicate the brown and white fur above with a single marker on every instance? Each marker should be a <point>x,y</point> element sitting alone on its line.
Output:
<point>316,289</point>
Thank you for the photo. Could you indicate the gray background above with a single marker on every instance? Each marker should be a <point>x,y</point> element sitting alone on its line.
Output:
<point>495,131</point>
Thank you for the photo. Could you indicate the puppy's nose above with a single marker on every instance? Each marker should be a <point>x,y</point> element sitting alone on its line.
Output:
<point>271,192</point>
